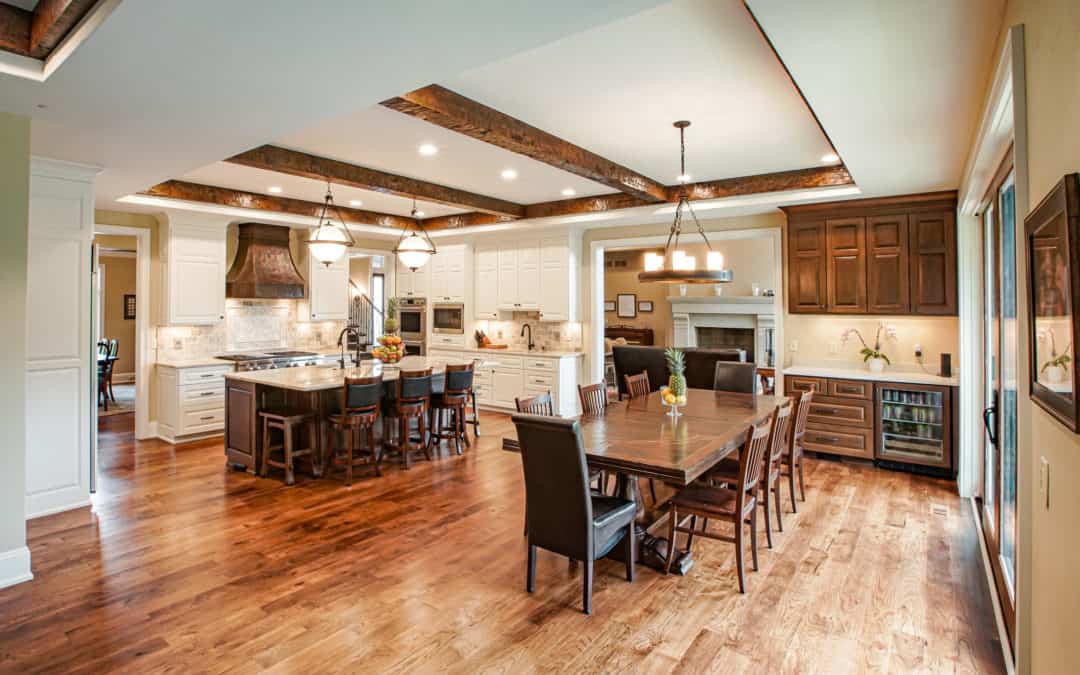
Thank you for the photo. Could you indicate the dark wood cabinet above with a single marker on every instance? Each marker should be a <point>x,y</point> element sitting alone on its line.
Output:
<point>241,413</point>
<point>888,255</point>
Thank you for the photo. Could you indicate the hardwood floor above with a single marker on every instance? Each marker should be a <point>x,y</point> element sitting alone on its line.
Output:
<point>186,566</point>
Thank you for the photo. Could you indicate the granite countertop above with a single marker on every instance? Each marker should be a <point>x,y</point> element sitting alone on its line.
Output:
<point>859,372</point>
<point>193,363</point>
<point>319,378</point>
<point>551,353</point>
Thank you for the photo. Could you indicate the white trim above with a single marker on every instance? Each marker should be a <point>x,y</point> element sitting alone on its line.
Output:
<point>999,617</point>
<point>51,507</point>
<point>58,168</point>
<point>144,362</point>
<point>39,70</point>
<point>15,567</point>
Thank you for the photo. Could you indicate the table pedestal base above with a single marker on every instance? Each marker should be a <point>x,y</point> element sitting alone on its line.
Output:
<point>651,551</point>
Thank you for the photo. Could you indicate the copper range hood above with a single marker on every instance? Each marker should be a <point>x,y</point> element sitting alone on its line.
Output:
<point>263,267</point>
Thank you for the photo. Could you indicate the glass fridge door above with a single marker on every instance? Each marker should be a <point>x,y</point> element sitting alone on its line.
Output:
<point>912,426</point>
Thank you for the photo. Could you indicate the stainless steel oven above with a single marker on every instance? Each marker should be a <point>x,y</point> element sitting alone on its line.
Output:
<point>448,318</point>
<point>412,319</point>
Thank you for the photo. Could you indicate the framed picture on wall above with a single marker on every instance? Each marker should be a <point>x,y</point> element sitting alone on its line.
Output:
<point>644,306</point>
<point>626,305</point>
<point>129,307</point>
<point>609,305</point>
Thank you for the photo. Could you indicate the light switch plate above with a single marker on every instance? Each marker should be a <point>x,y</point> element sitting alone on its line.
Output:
<point>794,345</point>
<point>834,347</point>
<point>1044,482</point>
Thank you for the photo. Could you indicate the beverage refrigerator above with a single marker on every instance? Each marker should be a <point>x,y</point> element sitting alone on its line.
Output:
<point>914,425</point>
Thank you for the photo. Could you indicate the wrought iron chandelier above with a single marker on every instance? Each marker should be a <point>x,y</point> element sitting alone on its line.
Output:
<point>329,241</point>
<point>414,250</point>
<point>675,267</point>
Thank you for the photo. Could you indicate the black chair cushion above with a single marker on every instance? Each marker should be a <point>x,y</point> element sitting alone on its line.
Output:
<point>363,395</point>
<point>700,364</point>
<point>458,380</point>
<point>611,515</point>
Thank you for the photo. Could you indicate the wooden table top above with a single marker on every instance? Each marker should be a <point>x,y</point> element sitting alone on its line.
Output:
<point>637,437</point>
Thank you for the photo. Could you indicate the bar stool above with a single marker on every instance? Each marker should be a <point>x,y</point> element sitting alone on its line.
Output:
<point>287,422</point>
<point>411,401</point>
<point>360,398</point>
<point>457,385</point>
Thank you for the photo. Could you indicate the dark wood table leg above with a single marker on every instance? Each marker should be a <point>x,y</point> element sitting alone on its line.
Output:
<point>652,551</point>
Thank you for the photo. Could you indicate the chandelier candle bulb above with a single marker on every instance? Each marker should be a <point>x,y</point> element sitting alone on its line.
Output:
<point>714,260</point>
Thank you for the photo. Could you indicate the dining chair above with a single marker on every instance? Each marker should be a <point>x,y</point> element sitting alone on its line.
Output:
<point>104,370</point>
<point>793,461</point>
<point>360,398</point>
<point>735,376</point>
<point>112,357</point>
<point>737,506</point>
<point>412,398</point>
<point>727,471</point>
<point>564,515</point>
<point>457,385</point>
<point>637,386</point>
<point>541,404</point>
<point>593,398</point>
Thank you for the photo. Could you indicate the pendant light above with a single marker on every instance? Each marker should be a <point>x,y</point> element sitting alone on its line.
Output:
<point>675,267</point>
<point>329,241</point>
<point>414,250</point>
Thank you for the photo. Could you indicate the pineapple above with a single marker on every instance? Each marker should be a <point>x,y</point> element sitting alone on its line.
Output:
<point>676,363</point>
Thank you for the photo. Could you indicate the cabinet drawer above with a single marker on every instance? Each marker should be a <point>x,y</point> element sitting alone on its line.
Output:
<point>207,375</point>
<point>483,392</point>
<point>854,413</point>
<point>481,377</point>
<point>545,365</point>
<point>448,341</point>
<point>843,441</point>
<point>200,398</point>
<point>503,362</point>
<point>535,380</point>
<point>801,383</point>
<point>198,421</point>
<point>851,389</point>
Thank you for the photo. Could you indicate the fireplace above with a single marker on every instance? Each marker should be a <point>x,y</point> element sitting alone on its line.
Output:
<point>717,337</point>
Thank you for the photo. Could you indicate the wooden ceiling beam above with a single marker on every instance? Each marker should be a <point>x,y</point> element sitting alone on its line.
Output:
<point>578,205</point>
<point>15,29</point>
<point>208,194</point>
<point>53,20</point>
<point>781,181</point>
<point>464,220</point>
<point>452,111</point>
<point>295,163</point>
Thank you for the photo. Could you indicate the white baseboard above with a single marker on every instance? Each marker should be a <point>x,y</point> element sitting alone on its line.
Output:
<point>39,507</point>
<point>123,378</point>
<point>15,567</point>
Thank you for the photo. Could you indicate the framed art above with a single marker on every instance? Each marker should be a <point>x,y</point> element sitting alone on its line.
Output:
<point>609,305</point>
<point>645,306</point>
<point>129,307</point>
<point>626,305</point>
<point>1053,237</point>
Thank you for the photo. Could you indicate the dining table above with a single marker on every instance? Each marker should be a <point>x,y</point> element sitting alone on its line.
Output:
<point>638,440</point>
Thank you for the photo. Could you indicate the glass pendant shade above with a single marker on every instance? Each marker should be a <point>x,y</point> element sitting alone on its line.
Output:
<point>329,241</point>
<point>415,248</point>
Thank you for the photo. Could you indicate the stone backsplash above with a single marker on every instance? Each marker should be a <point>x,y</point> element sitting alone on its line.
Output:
<point>555,336</point>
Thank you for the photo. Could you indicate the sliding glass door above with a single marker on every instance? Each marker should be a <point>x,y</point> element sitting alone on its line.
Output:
<point>998,503</point>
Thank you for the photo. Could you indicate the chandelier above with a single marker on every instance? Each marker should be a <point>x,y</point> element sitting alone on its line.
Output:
<point>329,241</point>
<point>675,266</point>
<point>414,250</point>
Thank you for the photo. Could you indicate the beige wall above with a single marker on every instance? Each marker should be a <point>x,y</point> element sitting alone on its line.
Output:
<point>14,210</point>
<point>1049,585</point>
<point>818,339</point>
<point>119,280</point>
<point>360,274</point>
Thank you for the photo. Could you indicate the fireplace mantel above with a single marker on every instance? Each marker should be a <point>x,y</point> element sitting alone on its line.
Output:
<point>689,312</point>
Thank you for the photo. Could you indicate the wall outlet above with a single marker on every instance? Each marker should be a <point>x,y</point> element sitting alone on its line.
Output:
<point>1044,482</point>
<point>177,344</point>
<point>834,347</point>
<point>794,346</point>
<point>918,351</point>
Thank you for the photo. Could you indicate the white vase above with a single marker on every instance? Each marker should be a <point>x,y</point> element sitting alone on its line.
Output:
<point>1055,374</point>
<point>876,365</point>
<point>682,289</point>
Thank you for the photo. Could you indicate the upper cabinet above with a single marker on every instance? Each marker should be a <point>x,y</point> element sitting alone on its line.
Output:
<point>193,271</point>
<point>448,274</point>
<point>892,255</point>
<point>486,286</point>
<point>527,275</point>
<point>412,284</point>
<point>327,291</point>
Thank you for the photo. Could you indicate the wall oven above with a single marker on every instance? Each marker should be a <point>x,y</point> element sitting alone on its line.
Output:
<point>448,318</point>
<point>412,319</point>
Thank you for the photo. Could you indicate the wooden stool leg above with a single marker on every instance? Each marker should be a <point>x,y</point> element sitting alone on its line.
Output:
<point>403,440</point>
<point>313,444</point>
<point>476,415</point>
<point>421,421</point>
<point>376,455</point>
<point>266,449</point>
<point>286,430</point>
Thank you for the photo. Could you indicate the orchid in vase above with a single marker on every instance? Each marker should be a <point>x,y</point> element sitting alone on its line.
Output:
<point>1057,366</point>
<point>873,357</point>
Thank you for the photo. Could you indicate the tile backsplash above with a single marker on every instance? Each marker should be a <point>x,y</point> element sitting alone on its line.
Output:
<point>250,325</point>
<point>553,336</point>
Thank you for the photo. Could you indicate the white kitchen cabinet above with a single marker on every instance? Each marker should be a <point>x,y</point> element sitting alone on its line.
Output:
<point>448,274</point>
<point>412,284</point>
<point>327,291</point>
<point>507,292</point>
<point>519,276</point>
<point>194,268</point>
<point>557,272</point>
<point>506,385</point>
<point>486,286</point>
<point>190,401</point>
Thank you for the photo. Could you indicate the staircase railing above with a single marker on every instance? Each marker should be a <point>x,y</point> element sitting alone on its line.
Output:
<point>364,316</point>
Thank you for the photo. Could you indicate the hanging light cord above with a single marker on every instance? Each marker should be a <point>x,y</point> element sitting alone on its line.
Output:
<point>684,199</point>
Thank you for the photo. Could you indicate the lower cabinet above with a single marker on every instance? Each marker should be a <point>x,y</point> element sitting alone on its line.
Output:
<point>190,401</point>
<point>841,417</point>
<point>510,376</point>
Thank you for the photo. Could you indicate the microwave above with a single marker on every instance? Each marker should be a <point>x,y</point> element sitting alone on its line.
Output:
<point>448,318</point>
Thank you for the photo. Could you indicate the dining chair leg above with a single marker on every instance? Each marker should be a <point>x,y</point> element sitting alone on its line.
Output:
<point>802,485</point>
<point>403,440</point>
<point>739,565</point>
<point>631,551</point>
<point>791,485</point>
<point>690,535</point>
<point>530,575</point>
<point>779,510</point>
<point>753,536</point>
<point>768,517</point>
<point>586,590</point>
<point>673,520</point>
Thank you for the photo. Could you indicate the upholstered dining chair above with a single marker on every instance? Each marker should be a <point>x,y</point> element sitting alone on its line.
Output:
<point>360,399</point>
<point>735,376</point>
<point>564,515</point>
<point>411,401</point>
<point>451,402</point>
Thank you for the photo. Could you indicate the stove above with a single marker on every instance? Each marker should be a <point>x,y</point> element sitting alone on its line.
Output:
<point>289,358</point>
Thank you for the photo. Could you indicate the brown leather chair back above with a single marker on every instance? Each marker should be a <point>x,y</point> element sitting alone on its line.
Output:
<point>361,394</point>
<point>735,376</point>
<point>700,364</point>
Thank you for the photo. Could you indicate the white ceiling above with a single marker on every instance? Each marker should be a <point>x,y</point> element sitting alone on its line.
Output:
<point>898,85</point>
<point>162,88</point>
<point>616,89</point>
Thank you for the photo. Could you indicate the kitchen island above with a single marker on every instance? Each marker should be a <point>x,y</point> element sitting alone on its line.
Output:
<point>311,388</point>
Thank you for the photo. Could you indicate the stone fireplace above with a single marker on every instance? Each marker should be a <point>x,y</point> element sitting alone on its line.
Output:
<point>748,322</point>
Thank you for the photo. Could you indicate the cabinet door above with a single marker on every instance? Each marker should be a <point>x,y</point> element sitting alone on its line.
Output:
<point>421,282</point>
<point>508,277</point>
<point>806,267</point>
<point>486,284</point>
<point>506,385</point>
<point>328,291</point>
<point>555,300</point>
<point>438,276</point>
<point>887,264</point>
<point>846,273</point>
<point>453,285</point>
<point>528,291</point>
<point>404,280</point>
<point>933,263</point>
<point>196,290</point>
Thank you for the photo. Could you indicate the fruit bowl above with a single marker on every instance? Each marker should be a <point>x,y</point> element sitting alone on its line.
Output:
<point>389,350</point>
<point>672,401</point>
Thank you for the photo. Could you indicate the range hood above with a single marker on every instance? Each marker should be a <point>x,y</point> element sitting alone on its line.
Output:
<point>263,267</point>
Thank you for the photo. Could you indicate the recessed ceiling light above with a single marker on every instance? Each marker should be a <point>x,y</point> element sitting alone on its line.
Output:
<point>276,189</point>
<point>419,214</point>
<point>568,192</point>
<point>508,174</point>
<point>355,202</point>
<point>683,178</point>
<point>830,158</point>
<point>428,150</point>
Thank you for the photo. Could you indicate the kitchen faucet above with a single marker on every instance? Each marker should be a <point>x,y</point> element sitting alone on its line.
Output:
<point>525,326</point>
<point>342,342</point>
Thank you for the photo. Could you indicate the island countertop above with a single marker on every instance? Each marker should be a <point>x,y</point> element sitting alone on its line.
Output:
<point>321,378</point>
